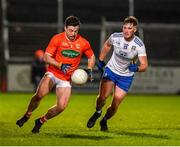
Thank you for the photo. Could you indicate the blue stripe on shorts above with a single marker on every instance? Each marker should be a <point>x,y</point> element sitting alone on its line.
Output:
<point>122,82</point>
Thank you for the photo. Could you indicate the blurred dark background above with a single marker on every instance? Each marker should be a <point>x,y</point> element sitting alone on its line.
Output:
<point>152,11</point>
<point>27,25</point>
<point>91,12</point>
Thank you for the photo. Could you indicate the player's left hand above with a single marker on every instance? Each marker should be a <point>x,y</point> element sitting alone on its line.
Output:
<point>90,74</point>
<point>133,67</point>
<point>65,67</point>
<point>101,65</point>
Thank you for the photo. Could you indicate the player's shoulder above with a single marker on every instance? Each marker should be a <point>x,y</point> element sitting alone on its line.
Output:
<point>138,41</point>
<point>117,34</point>
<point>82,40</point>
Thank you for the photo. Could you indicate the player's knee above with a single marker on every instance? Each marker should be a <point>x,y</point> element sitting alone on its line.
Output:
<point>102,98</point>
<point>61,107</point>
<point>118,97</point>
<point>39,95</point>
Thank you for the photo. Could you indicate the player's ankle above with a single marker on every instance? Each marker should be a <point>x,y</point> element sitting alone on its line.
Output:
<point>43,119</point>
<point>99,111</point>
<point>28,114</point>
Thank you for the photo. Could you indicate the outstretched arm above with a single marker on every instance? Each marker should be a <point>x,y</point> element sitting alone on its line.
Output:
<point>106,48</point>
<point>91,62</point>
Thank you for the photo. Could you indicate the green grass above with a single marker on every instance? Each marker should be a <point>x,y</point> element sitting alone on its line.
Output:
<point>147,120</point>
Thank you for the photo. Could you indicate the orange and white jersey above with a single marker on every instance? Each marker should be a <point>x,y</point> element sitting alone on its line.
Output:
<point>68,52</point>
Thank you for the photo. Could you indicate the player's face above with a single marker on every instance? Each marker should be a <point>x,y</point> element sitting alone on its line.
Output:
<point>128,31</point>
<point>71,32</point>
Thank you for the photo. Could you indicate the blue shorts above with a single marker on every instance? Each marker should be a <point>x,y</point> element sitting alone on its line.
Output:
<point>122,82</point>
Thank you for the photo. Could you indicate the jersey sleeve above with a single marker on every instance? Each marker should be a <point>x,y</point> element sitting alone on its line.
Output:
<point>142,51</point>
<point>88,50</point>
<point>52,46</point>
<point>141,47</point>
<point>114,38</point>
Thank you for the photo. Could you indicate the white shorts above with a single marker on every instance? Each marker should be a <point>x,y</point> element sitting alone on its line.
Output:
<point>58,82</point>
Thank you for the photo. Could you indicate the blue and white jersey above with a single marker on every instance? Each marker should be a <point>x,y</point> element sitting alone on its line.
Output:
<point>124,52</point>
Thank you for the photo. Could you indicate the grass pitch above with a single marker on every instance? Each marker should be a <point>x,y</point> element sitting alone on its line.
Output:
<point>147,120</point>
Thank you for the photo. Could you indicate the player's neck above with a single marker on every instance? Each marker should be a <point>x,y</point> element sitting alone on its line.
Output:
<point>129,39</point>
<point>70,39</point>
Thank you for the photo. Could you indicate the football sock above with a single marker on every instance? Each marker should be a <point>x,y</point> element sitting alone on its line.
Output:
<point>98,111</point>
<point>105,118</point>
<point>43,119</point>
<point>28,114</point>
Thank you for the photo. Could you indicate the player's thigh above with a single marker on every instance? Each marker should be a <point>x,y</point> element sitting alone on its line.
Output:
<point>106,87</point>
<point>44,86</point>
<point>63,96</point>
<point>118,96</point>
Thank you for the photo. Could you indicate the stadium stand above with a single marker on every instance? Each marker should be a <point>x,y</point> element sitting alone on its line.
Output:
<point>23,40</point>
<point>27,29</point>
<point>164,11</point>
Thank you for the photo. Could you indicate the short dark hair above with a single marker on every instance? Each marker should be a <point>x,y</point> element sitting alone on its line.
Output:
<point>72,21</point>
<point>131,19</point>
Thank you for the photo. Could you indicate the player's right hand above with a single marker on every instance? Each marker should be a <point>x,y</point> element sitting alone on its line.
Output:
<point>64,67</point>
<point>90,74</point>
<point>133,67</point>
<point>101,65</point>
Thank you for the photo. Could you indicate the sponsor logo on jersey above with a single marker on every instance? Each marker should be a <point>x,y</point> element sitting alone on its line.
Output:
<point>70,53</point>
<point>122,53</point>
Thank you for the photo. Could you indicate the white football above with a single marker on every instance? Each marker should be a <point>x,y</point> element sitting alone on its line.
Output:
<point>79,76</point>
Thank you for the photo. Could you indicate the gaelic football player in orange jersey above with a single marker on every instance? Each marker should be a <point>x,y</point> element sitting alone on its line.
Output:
<point>63,54</point>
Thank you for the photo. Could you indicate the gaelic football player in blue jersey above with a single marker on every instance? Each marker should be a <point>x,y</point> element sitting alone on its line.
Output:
<point>118,73</point>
